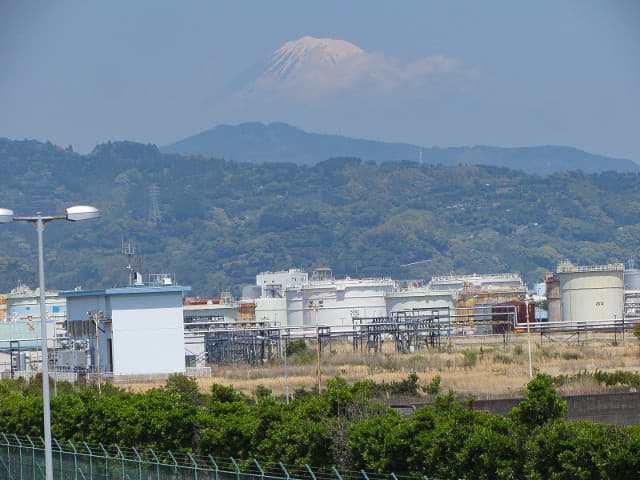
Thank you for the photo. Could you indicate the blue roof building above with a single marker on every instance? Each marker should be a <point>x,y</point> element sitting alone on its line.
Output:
<point>136,329</point>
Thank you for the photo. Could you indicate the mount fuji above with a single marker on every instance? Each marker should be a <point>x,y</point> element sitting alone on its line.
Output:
<point>297,57</point>
<point>313,68</point>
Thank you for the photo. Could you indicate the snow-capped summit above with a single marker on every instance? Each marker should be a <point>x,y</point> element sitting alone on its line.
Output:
<point>311,70</point>
<point>309,52</point>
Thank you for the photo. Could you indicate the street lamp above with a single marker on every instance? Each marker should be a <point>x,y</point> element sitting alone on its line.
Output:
<point>73,214</point>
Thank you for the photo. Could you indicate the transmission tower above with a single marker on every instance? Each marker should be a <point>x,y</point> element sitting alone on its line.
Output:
<point>154,209</point>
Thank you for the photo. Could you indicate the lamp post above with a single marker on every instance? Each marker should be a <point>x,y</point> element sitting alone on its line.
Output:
<point>73,214</point>
<point>315,306</point>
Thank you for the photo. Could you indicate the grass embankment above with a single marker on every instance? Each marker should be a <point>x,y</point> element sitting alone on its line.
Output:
<point>481,366</point>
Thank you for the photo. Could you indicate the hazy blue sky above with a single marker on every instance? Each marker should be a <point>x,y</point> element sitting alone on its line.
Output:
<point>530,73</point>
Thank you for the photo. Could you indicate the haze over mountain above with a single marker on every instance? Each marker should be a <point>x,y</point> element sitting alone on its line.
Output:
<point>278,142</point>
<point>422,73</point>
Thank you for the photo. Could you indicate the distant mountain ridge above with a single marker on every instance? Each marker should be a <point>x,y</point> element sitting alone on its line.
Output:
<point>223,222</point>
<point>256,142</point>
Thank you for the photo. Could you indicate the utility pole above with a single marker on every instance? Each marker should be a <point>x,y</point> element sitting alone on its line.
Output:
<point>96,317</point>
<point>315,305</point>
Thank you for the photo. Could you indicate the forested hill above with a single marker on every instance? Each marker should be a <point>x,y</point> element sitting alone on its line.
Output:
<point>223,222</point>
<point>257,143</point>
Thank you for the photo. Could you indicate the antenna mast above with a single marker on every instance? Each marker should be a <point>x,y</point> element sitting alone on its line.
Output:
<point>129,250</point>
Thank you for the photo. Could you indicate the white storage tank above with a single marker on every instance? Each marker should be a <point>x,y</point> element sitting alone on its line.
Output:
<point>632,279</point>
<point>591,293</point>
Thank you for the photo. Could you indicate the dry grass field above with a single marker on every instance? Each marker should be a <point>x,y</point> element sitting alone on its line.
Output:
<point>481,366</point>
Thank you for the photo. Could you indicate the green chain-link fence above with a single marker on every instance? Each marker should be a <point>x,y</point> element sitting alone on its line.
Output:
<point>22,458</point>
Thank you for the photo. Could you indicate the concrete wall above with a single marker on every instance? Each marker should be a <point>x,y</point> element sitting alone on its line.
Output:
<point>619,408</point>
<point>615,408</point>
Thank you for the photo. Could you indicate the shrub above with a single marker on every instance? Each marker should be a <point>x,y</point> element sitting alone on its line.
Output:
<point>223,394</point>
<point>469,358</point>
<point>261,392</point>
<point>296,346</point>
<point>405,387</point>
<point>570,355</point>
<point>503,357</point>
<point>433,387</point>
<point>542,405</point>
<point>185,389</point>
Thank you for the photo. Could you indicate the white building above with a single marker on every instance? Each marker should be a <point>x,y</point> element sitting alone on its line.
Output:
<point>282,279</point>
<point>141,329</point>
<point>337,301</point>
<point>210,311</point>
<point>269,294</point>
<point>22,319</point>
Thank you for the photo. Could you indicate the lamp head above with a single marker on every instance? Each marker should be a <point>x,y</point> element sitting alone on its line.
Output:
<point>6,215</point>
<point>82,212</point>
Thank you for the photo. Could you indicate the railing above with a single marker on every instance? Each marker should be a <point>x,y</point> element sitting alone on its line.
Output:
<point>22,458</point>
<point>568,267</point>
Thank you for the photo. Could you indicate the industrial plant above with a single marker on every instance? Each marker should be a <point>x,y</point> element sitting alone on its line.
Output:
<point>152,327</point>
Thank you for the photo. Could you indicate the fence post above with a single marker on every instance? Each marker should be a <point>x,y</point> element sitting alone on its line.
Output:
<point>175,462</point>
<point>90,459</point>
<point>259,468</point>
<point>20,452</point>
<point>139,462</point>
<point>284,470</point>
<point>122,457</point>
<point>195,466</point>
<point>75,458</point>
<point>157,463</point>
<point>106,457</point>
<point>237,468</point>
<point>33,458</point>
<point>336,472</point>
<point>313,475</point>
<point>60,457</point>
<point>8,454</point>
<point>214,464</point>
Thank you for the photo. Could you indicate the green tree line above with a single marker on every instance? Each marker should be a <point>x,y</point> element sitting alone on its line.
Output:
<point>344,427</point>
<point>222,222</point>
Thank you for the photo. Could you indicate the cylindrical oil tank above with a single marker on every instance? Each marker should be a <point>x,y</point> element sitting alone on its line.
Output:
<point>591,295</point>
<point>632,279</point>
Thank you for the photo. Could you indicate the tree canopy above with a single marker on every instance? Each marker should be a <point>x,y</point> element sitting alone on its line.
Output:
<point>222,222</point>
